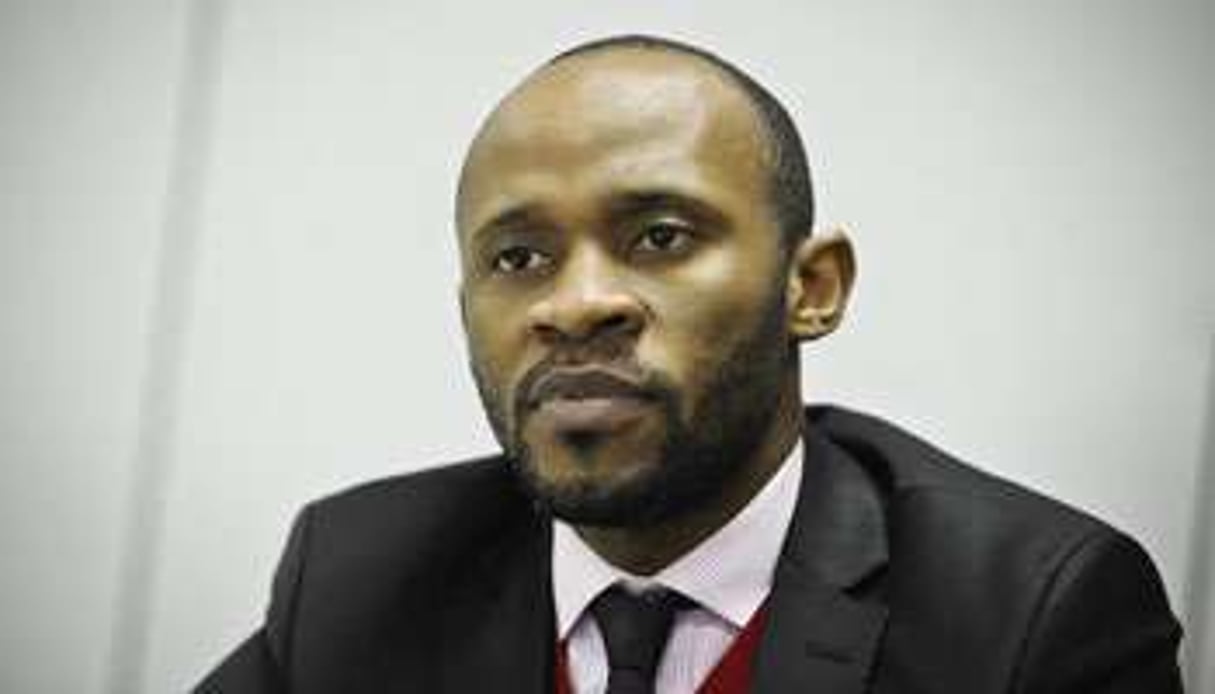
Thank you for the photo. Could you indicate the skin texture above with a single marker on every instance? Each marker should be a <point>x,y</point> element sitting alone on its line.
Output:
<point>631,311</point>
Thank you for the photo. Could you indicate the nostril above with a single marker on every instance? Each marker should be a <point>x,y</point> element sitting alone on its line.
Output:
<point>614,322</point>
<point>607,328</point>
<point>548,333</point>
<point>618,323</point>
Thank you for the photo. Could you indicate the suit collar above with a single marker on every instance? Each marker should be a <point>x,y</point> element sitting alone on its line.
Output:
<point>838,534</point>
<point>821,633</point>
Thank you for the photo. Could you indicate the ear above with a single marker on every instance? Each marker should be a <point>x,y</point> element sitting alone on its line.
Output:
<point>821,271</point>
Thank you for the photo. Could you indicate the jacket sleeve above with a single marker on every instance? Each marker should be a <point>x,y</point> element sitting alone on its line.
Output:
<point>1104,625</point>
<point>260,665</point>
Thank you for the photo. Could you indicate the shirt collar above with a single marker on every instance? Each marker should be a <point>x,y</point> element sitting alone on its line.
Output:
<point>729,573</point>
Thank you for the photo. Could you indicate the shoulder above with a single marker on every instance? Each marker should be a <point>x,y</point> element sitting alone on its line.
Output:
<point>922,484</point>
<point>438,490</point>
<point>413,529</point>
<point>958,534</point>
<point>1004,582</point>
<point>443,505</point>
<point>369,573</point>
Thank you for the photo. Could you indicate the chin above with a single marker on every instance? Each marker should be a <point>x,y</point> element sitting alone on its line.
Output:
<point>616,485</point>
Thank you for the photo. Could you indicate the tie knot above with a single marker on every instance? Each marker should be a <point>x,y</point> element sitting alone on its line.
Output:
<point>635,628</point>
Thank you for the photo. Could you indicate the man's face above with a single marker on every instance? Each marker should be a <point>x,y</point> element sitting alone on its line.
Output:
<point>624,284</point>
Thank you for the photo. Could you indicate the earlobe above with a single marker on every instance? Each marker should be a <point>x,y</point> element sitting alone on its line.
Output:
<point>821,273</point>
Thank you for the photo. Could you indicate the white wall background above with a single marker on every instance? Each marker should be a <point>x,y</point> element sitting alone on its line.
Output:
<point>228,274</point>
<point>86,113</point>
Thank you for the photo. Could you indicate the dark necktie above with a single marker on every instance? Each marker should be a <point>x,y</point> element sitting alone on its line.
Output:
<point>635,628</point>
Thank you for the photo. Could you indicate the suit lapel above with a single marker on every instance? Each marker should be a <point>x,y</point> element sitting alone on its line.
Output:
<point>821,635</point>
<point>499,627</point>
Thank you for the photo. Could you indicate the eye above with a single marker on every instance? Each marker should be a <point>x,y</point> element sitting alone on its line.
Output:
<point>518,259</point>
<point>663,237</point>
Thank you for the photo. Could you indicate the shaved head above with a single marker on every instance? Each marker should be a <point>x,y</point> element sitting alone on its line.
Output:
<point>784,158</point>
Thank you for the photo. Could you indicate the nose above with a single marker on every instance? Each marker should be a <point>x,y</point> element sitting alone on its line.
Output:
<point>587,301</point>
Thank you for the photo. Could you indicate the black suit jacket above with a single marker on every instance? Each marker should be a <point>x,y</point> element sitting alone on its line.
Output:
<point>904,572</point>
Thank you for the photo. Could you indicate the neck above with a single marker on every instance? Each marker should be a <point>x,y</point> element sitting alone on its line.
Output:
<point>644,551</point>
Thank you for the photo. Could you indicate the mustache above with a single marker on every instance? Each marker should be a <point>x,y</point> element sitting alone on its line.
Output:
<point>549,380</point>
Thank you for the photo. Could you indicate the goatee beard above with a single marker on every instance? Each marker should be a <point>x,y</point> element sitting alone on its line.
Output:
<point>697,459</point>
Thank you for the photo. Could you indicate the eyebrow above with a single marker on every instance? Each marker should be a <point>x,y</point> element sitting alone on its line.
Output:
<point>620,205</point>
<point>638,201</point>
<point>511,216</point>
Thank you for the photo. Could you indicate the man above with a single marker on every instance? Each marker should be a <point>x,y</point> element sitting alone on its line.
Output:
<point>638,267</point>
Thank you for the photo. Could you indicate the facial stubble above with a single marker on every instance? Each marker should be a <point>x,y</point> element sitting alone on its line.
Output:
<point>698,458</point>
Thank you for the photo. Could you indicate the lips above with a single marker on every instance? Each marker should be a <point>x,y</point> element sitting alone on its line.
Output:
<point>586,400</point>
<point>584,384</point>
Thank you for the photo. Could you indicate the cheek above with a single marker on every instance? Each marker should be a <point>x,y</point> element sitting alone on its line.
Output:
<point>708,310</point>
<point>490,342</point>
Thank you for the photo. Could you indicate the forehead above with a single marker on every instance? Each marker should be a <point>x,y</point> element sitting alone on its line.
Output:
<point>621,115</point>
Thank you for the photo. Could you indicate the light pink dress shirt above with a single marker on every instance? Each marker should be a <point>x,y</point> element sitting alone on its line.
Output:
<point>728,576</point>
